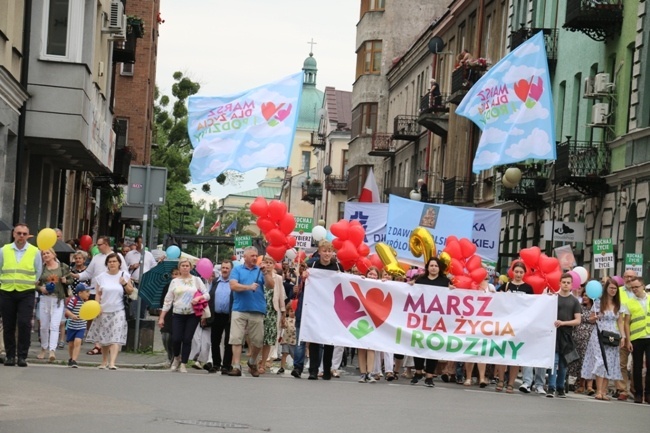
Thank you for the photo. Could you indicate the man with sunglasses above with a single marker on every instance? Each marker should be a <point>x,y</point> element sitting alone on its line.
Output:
<point>637,338</point>
<point>20,267</point>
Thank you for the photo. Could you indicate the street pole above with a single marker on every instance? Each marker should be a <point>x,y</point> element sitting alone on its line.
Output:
<point>145,219</point>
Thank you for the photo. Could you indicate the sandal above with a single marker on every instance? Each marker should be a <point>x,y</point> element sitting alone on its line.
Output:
<point>499,387</point>
<point>599,397</point>
<point>390,376</point>
<point>468,382</point>
<point>483,384</point>
<point>590,391</point>
<point>95,351</point>
<point>510,389</point>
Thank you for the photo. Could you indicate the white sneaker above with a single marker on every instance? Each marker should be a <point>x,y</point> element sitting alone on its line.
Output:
<point>175,363</point>
<point>182,368</point>
<point>524,388</point>
<point>540,390</point>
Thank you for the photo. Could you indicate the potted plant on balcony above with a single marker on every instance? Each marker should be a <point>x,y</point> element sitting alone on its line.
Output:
<point>135,26</point>
<point>480,64</point>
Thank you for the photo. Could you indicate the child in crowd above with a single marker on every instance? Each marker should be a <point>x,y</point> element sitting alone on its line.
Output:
<point>76,328</point>
<point>288,338</point>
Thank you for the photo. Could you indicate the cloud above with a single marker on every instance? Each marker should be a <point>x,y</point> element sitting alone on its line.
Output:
<point>494,135</point>
<point>502,66</point>
<point>274,154</point>
<point>486,158</point>
<point>537,144</point>
<point>526,49</point>
<point>216,146</point>
<point>517,73</point>
<point>525,115</point>
<point>264,131</point>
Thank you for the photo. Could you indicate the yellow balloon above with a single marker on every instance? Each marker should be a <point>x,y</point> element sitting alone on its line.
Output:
<point>421,243</point>
<point>445,258</point>
<point>89,310</point>
<point>46,239</point>
<point>388,257</point>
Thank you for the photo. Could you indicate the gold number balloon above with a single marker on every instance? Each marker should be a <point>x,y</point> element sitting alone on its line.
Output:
<point>388,257</point>
<point>422,244</point>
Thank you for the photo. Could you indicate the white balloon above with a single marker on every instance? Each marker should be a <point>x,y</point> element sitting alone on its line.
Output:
<point>513,175</point>
<point>507,184</point>
<point>318,233</point>
<point>291,254</point>
<point>582,272</point>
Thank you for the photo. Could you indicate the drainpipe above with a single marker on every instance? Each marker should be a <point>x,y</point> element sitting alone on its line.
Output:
<point>20,148</point>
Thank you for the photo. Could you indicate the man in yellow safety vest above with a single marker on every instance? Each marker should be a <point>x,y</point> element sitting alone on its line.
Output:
<point>637,329</point>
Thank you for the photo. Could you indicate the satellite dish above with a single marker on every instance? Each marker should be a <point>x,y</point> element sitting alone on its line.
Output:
<point>327,170</point>
<point>436,44</point>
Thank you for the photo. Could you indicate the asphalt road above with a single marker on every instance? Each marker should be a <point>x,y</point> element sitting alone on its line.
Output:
<point>53,399</point>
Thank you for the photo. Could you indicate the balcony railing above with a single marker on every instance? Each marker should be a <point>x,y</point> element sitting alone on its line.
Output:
<point>312,191</point>
<point>456,191</point>
<point>528,192</point>
<point>520,36</point>
<point>121,164</point>
<point>382,144</point>
<point>598,19</point>
<point>434,113</point>
<point>400,191</point>
<point>582,165</point>
<point>124,51</point>
<point>318,140</point>
<point>462,79</point>
<point>336,183</point>
<point>406,128</point>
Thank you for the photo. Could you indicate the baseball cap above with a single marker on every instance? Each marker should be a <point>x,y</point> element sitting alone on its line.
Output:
<point>81,287</point>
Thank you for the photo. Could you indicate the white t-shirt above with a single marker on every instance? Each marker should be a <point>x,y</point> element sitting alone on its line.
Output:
<point>134,256</point>
<point>112,291</point>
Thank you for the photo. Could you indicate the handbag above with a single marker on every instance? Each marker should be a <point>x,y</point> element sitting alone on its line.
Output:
<point>609,338</point>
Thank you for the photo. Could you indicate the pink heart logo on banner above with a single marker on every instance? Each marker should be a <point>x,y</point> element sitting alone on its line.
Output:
<point>347,308</point>
<point>283,113</point>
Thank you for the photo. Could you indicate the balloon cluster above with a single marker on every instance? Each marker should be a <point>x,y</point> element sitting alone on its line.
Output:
<point>511,177</point>
<point>276,225</point>
<point>464,264</point>
<point>541,270</point>
<point>350,249</point>
<point>579,276</point>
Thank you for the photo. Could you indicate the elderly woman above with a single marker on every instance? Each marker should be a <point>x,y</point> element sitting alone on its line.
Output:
<point>184,292</point>
<point>275,309</point>
<point>53,289</point>
<point>109,328</point>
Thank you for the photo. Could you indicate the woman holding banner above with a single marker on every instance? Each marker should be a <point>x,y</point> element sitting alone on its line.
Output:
<point>366,356</point>
<point>434,276</point>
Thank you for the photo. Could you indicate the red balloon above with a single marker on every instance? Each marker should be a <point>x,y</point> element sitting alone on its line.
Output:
<point>553,280</point>
<point>294,304</point>
<point>300,257</point>
<point>337,243</point>
<point>453,249</point>
<point>340,229</point>
<point>277,210</point>
<point>462,282</point>
<point>85,242</point>
<point>363,250</point>
<point>478,275</point>
<point>291,242</point>
<point>530,256</point>
<point>474,263</point>
<point>548,264</point>
<point>451,238</point>
<point>347,255</point>
<point>277,252</point>
<point>260,207</point>
<point>265,224</point>
<point>276,237</point>
<point>456,267</point>
<point>363,264</point>
<point>537,282</point>
<point>356,234</point>
<point>375,260</point>
<point>467,247</point>
<point>287,224</point>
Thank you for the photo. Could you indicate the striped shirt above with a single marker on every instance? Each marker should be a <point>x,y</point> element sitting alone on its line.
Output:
<point>74,305</point>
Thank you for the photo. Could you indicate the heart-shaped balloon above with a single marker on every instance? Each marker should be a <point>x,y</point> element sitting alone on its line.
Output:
<point>347,255</point>
<point>363,250</point>
<point>548,264</point>
<point>277,210</point>
<point>291,241</point>
<point>287,224</point>
<point>363,264</point>
<point>259,207</point>
<point>478,275</point>
<point>456,267</point>
<point>462,282</point>
<point>453,249</point>
<point>340,229</point>
<point>537,282</point>
<point>276,237</point>
<point>276,251</point>
<point>337,243</point>
<point>265,224</point>
<point>467,248</point>
<point>530,256</point>
<point>376,261</point>
<point>474,263</point>
<point>356,233</point>
<point>553,280</point>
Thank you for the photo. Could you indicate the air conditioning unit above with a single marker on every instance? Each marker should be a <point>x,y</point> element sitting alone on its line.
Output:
<point>116,15</point>
<point>600,113</point>
<point>589,87</point>
<point>602,83</point>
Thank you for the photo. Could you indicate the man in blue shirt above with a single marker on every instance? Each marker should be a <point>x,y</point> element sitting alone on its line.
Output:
<point>220,306</point>
<point>248,309</point>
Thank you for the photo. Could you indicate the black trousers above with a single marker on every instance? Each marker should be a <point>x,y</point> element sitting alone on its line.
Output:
<point>221,324</point>
<point>183,327</point>
<point>428,365</point>
<point>640,347</point>
<point>17,311</point>
<point>315,351</point>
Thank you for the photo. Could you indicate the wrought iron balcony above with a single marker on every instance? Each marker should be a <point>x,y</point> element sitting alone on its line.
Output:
<point>124,51</point>
<point>520,36</point>
<point>312,191</point>
<point>598,19</point>
<point>406,128</point>
<point>382,145</point>
<point>582,165</point>
<point>121,165</point>
<point>528,192</point>
<point>462,79</point>
<point>434,113</point>
<point>336,183</point>
<point>456,191</point>
<point>318,140</point>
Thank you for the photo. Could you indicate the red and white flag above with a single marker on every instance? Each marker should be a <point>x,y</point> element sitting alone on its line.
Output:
<point>216,225</point>
<point>370,191</point>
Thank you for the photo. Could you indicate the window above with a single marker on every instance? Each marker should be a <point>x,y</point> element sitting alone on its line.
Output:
<point>305,160</point>
<point>341,214</point>
<point>372,5</point>
<point>63,30</point>
<point>344,162</point>
<point>364,119</point>
<point>121,133</point>
<point>369,58</point>
<point>127,69</point>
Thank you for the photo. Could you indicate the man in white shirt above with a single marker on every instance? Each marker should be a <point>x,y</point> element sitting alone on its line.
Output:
<point>133,260</point>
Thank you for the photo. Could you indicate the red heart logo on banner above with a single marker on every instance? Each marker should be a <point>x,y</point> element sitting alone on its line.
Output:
<point>376,304</point>
<point>268,110</point>
<point>522,88</point>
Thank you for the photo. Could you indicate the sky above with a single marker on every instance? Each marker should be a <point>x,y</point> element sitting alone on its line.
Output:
<point>232,46</point>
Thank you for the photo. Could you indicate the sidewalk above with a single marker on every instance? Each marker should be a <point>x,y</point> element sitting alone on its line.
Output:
<point>154,360</point>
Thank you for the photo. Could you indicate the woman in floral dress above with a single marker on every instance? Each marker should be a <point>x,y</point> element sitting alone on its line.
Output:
<point>581,336</point>
<point>606,313</point>
<point>274,308</point>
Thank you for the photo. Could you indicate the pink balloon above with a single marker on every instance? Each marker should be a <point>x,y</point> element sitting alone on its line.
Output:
<point>575,284</point>
<point>204,268</point>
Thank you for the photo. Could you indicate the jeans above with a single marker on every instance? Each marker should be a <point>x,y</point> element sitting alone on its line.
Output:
<point>183,327</point>
<point>315,352</point>
<point>558,375</point>
<point>299,359</point>
<point>17,311</point>
<point>540,376</point>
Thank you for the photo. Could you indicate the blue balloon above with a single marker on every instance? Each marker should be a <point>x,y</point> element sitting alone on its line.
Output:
<point>329,236</point>
<point>594,289</point>
<point>173,252</point>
